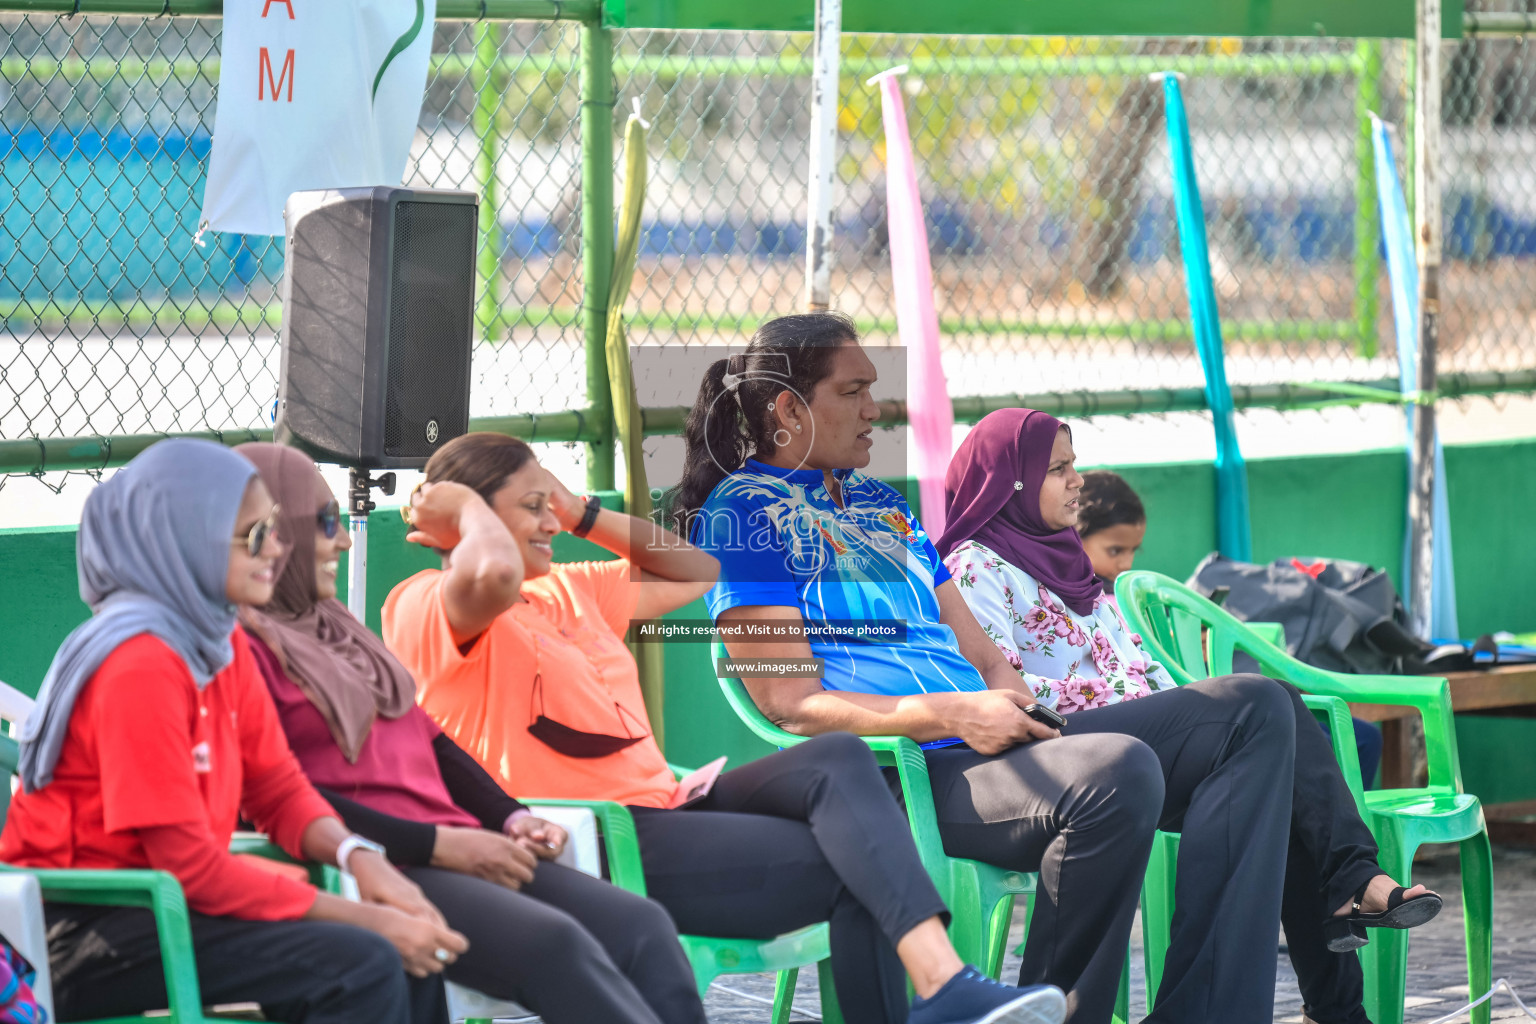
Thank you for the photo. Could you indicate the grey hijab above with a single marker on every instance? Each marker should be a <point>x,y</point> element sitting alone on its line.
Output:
<point>153,555</point>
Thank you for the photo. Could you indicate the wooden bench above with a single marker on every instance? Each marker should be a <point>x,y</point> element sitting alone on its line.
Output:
<point>1508,691</point>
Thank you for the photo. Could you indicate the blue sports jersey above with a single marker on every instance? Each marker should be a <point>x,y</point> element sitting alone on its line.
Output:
<point>781,540</point>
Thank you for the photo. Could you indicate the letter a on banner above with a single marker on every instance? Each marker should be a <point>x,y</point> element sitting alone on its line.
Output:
<point>312,94</point>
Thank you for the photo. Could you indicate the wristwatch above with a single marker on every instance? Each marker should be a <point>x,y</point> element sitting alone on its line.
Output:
<point>352,844</point>
<point>589,517</point>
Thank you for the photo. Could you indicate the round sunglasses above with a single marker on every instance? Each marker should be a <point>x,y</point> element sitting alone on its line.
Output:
<point>260,530</point>
<point>329,519</point>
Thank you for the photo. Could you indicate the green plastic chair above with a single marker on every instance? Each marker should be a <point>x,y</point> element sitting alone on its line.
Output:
<point>1195,639</point>
<point>1158,889</point>
<point>157,891</point>
<point>979,896</point>
<point>711,956</point>
<point>161,893</point>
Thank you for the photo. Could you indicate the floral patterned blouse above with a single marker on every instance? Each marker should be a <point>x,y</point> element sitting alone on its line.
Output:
<point>1070,661</point>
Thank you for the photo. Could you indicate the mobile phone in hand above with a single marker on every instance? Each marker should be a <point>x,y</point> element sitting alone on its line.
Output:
<point>1045,716</point>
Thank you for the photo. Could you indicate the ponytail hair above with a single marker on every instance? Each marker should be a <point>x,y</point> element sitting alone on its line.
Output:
<point>731,420</point>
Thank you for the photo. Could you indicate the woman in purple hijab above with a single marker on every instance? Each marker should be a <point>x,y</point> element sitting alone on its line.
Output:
<point>1014,552</point>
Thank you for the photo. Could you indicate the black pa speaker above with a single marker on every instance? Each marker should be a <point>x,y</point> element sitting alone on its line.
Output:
<point>378,318</point>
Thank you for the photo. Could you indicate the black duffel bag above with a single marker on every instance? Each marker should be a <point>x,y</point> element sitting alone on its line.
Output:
<point>1337,615</point>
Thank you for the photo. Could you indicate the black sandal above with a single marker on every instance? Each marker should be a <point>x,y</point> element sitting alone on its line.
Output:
<point>1345,932</point>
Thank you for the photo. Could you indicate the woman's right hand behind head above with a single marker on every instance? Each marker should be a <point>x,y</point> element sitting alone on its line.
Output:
<point>434,514</point>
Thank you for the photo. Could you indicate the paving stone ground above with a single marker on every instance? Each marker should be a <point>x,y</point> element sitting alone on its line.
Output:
<point>1437,978</point>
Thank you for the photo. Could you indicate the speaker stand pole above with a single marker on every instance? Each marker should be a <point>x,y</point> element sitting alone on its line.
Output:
<point>359,504</point>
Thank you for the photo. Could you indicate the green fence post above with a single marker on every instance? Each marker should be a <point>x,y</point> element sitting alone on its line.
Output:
<point>1367,223</point>
<point>483,79</point>
<point>597,239</point>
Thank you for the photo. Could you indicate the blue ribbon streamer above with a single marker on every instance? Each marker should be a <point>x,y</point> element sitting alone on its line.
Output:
<point>1403,272</point>
<point>1234,535</point>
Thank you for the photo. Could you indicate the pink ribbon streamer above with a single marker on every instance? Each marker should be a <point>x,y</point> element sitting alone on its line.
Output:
<point>929,411</point>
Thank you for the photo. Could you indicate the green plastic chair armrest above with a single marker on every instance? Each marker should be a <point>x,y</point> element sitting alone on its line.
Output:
<point>1335,714</point>
<point>161,894</point>
<point>1147,598</point>
<point>906,756</point>
<point>746,708</point>
<point>622,845</point>
<point>1429,695</point>
<point>897,752</point>
<point>325,877</point>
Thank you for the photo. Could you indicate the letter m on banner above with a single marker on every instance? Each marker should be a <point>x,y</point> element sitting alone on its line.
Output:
<point>349,120</point>
<point>264,79</point>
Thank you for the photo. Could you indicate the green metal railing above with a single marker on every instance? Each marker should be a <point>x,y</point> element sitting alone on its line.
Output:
<point>40,455</point>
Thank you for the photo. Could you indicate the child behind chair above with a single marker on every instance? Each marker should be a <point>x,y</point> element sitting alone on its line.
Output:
<point>1111,522</point>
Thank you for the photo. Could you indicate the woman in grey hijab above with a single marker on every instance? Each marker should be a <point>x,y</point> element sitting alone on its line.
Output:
<point>153,731</point>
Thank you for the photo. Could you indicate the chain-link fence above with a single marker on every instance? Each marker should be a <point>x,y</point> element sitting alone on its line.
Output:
<point>1043,169</point>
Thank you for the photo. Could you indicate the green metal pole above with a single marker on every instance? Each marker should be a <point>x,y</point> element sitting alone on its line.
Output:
<point>597,239</point>
<point>485,82</point>
<point>1367,224</point>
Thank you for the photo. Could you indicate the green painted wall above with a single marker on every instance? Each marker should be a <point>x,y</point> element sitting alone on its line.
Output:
<point>39,601</point>
<point>1342,506</point>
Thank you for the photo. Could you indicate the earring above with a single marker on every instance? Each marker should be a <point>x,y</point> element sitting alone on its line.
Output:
<point>776,442</point>
<point>797,428</point>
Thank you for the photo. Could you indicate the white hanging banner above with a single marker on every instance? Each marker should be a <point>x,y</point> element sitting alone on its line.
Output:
<point>312,94</point>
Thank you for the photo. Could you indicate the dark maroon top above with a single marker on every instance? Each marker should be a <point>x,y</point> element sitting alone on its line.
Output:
<point>396,770</point>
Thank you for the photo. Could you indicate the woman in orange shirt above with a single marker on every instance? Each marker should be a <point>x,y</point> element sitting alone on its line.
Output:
<point>522,662</point>
<point>153,731</point>
<point>571,948</point>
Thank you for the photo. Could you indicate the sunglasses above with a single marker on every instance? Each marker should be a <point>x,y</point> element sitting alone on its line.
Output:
<point>256,539</point>
<point>329,519</point>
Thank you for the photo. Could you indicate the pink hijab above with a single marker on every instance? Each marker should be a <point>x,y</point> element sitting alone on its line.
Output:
<point>338,663</point>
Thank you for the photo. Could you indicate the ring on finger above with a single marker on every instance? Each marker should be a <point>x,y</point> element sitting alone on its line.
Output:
<point>408,510</point>
<point>441,954</point>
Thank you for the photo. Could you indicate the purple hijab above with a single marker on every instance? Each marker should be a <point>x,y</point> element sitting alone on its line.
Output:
<point>992,496</point>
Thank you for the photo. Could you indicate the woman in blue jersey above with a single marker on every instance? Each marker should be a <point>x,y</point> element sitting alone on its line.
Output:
<point>772,487</point>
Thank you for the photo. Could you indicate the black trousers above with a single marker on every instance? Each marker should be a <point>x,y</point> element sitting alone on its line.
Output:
<point>1331,856</point>
<point>105,962</point>
<point>1213,760</point>
<point>571,947</point>
<point>807,834</point>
